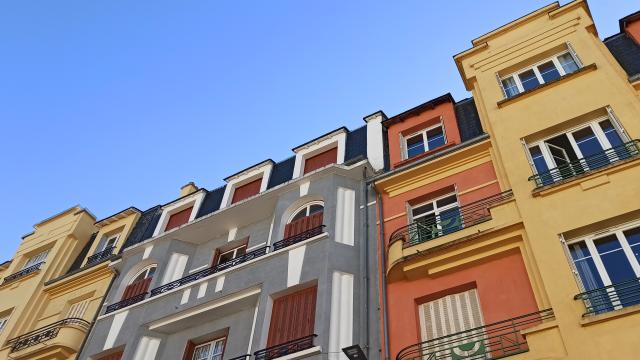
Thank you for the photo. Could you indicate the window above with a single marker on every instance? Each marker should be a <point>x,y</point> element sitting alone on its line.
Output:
<point>3,322</point>
<point>540,73</point>
<point>229,255</point>
<point>107,242</point>
<point>306,218</point>
<point>610,259</point>
<point>321,160</point>
<point>209,351</point>
<point>246,191</point>
<point>140,283</point>
<point>292,316</point>
<point>36,259</point>
<point>576,151</point>
<point>178,219</point>
<point>437,217</point>
<point>426,140</point>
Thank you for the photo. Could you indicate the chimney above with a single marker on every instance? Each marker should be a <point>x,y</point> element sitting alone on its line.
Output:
<point>187,189</point>
<point>375,143</point>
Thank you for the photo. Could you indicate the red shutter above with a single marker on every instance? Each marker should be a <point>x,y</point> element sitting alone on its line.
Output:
<point>179,218</point>
<point>114,356</point>
<point>246,191</point>
<point>216,255</point>
<point>304,224</point>
<point>292,316</point>
<point>321,160</point>
<point>136,288</point>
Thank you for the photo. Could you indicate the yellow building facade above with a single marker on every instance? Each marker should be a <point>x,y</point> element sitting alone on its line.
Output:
<point>562,116</point>
<point>54,285</point>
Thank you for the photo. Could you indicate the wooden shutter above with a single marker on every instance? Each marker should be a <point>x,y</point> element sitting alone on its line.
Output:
<point>77,309</point>
<point>114,356</point>
<point>216,255</point>
<point>450,314</point>
<point>292,316</point>
<point>304,224</point>
<point>179,218</point>
<point>321,160</point>
<point>246,191</point>
<point>136,288</point>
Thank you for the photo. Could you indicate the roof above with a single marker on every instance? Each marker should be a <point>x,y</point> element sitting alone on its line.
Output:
<point>468,119</point>
<point>427,105</point>
<point>117,216</point>
<point>628,19</point>
<point>626,51</point>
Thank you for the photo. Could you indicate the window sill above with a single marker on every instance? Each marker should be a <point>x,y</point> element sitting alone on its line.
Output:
<point>583,178</point>
<point>594,319</point>
<point>423,155</point>
<point>582,70</point>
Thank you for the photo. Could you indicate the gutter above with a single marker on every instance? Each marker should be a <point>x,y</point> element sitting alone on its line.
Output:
<point>383,276</point>
<point>365,263</point>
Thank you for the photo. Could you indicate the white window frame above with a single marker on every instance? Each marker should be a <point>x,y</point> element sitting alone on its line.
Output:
<point>336,139</point>
<point>211,345</point>
<point>306,207</point>
<point>193,200</point>
<point>436,210</point>
<point>234,251</point>
<point>4,320</point>
<point>144,271</point>
<point>595,127</point>
<point>618,231</point>
<point>534,67</point>
<point>36,259</point>
<point>108,239</point>
<point>423,132</point>
<point>260,171</point>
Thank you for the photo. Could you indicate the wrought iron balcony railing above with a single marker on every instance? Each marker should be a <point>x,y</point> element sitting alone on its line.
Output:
<point>449,221</point>
<point>587,164</point>
<point>298,238</point>
<point>492,341</point>
<point>45,333</point>
<point>208,271</point>
<point>99,256</point>
<point>610,298</point>
<point>24,272</point>
<point>126,302</point>
<point>287,348</point>
<point>241,357</point>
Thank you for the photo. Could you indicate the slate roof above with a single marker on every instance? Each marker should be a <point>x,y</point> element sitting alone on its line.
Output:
<point>626,51</point>
<point>468,119</point>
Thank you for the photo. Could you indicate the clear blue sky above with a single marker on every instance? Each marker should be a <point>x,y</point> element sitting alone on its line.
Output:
<point>109,104</point>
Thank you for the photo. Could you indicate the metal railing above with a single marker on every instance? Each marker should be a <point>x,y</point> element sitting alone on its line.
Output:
<point>298,238</point>
<point>24,272</point>
<point>610,298</point>
<point>492,341</point>
<point>99,256</point>
<point>590,163</point>
<point>287,348</point>
<point>241,357</point>
<point>448,221</point>
<point>45,333</point>
<point>126,302</point>
<point>208,271</point>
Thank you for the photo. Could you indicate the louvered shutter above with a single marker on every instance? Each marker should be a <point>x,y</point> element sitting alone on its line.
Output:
<point>114,356</point>
<point>303,224</point>
<point>450,314</point>
<point>136,288</point>
<point>246,191</point>
<point>78,309</point>
<point>321,160</point>
<point>292,316</point>
<point>178,219</point>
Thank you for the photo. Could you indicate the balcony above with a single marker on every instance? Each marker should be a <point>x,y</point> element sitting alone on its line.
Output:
<point>22,273</point>
<point>100,256</point>
<point>298,238</point>
<point>212,270</point>
<point>126,302</point>
<point>77,329</point>
<point>284,349</point>
<point>610,298</point>
<point>493,341</point>
<point>586,165</point>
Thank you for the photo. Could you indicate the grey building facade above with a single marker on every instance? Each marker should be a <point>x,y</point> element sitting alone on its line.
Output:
<point>281,262</point>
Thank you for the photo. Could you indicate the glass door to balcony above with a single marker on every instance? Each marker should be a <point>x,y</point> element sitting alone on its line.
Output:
<point>436,217</point>
<point>609,268</point>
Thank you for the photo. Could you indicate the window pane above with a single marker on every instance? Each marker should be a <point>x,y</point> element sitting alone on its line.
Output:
<point>447,201</point>
<point>591,148</point>
<point>548,71</point>
<point>302,213</point>
<point>611,133</point>
<point>450,220</point>
<point>614,259</point>
<point>422,209</point>
<point>529,80</point>
<point>633,237</point>
<point>585,265</point>
<point>510,86</point>
<point>568,63</point>
<point>435,138</point>
<point>201,352</point>
<point>315,209</point>
<point>540,166</point>
<point>415,145</point>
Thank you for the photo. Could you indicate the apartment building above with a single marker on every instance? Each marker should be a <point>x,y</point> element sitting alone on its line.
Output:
<point>278,263</point>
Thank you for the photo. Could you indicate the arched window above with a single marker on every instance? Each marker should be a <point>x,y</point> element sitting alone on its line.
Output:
<point>139,284</point>
<point>306,220</point>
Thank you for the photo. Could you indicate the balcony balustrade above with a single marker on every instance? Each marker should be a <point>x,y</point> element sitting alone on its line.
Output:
<point>99,256</point>
<point>432,228</point>
<point>208,271</point>
<point>126,302</point>
<point>22,273</point>
<point>587,164</point>
<point>610,298</point>
<point>298,238</point>
<point>45,333</point>
<point>284,349</point>
<point>492,341</point>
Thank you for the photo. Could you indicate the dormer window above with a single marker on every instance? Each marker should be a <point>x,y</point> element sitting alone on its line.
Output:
<point>246,191</point>
<point>321,160</point>
<point>540,73</point>
<point>178,219</point>
<point>323,151</point>
<point>247,183</point>
<point>179,212</point>
<point>425,140</point>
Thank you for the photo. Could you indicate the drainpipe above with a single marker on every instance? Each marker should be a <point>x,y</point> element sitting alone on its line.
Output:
<point>365,260</point>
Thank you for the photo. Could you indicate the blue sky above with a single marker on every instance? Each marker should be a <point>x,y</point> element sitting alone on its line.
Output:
<point>109,104</point>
